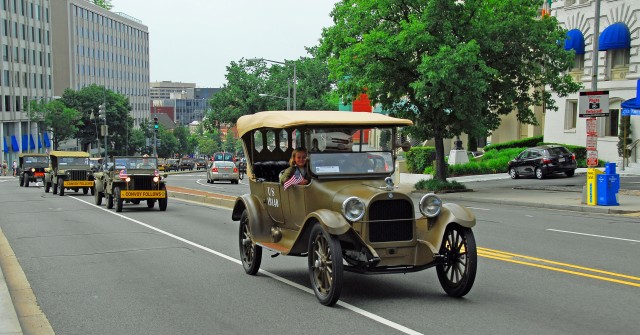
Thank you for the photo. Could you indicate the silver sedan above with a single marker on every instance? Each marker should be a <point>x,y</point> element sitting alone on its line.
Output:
<point>222,170</point>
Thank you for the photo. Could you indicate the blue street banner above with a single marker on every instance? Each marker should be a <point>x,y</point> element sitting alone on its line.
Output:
<point>630,111</point>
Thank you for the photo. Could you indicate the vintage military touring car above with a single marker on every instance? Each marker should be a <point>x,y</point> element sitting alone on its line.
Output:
<point>349,216</point>
<point>68,170</point>
<point>131,180</point>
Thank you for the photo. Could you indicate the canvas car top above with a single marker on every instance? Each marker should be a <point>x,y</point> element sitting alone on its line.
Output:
<point>69,154</point>
<point>287,119</point>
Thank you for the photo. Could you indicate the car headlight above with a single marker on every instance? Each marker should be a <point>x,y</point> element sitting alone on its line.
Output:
<point>33,170</point>
<point>430,205</point>
<point>156,179</point>
<point>353,209</point>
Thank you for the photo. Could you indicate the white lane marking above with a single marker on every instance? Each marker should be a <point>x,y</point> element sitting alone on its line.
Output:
<point>480,209</point>
<point>353,308</point>
<point>529,216</point>
<point>602,236</point>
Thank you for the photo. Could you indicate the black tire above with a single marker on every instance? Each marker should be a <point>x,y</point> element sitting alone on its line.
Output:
<point>25,181</point>
<point>135,201</point>
<point>85,190</point>
<point>513,174</point>
<point>570,173</point>
<point>117,199</point>
<point>97,197</point>
<point>150,203</point>
<point>61,186</point>
<point>109,200</point>
<point>47,186</point>
<point>55,187</point>
<point>162,202</point>
<point>20,180</point>
<point>250,253</point>
<point>325,265</point>
<point>458,272</point>
<point>539,173</point>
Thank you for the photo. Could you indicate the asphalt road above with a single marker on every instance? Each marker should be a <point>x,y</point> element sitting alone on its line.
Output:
<point>141,271</point>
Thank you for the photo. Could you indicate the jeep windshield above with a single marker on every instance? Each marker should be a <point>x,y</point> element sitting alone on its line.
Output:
<point>76,162</point>
<point>36,160</point>
<point>136,163</point>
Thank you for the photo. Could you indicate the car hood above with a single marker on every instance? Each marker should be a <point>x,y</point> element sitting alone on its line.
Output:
<point>365,189</point>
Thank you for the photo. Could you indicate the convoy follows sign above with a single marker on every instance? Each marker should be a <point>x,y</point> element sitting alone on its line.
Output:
<point>594,104</point>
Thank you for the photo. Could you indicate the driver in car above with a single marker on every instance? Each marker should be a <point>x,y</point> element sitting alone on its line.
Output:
<point>145,163</point>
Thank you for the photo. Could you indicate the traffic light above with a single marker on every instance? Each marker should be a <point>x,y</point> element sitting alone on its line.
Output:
<point>155,124</point>
<point>102,112</point>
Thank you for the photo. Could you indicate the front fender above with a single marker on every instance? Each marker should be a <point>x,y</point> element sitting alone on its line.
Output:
<point>334,223</point>
<point>259,223</point>
<point>432,230</point>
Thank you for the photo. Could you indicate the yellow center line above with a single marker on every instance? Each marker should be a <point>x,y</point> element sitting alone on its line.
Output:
<point>540,263</point>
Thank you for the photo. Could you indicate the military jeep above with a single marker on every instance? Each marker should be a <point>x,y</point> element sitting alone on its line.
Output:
<point>68,170</point>
<point>350,216</point>
<point>31,168</point>
<point>131,180</point>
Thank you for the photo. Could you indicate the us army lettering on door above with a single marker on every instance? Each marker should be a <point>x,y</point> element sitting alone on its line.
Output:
<point>272,201</point>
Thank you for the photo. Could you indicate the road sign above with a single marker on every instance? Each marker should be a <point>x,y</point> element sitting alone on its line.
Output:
<point>594,104</point>
<point>592,126</point>
<point>592,158</point>
<point>592,144</point>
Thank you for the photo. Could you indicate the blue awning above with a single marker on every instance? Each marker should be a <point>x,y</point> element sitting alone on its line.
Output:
<point>14,143</point>
<point>575,41</point>
<point>632,106</point>
<point>616,36</point>
<point>32,143</point>
<point>39,142</point>
<point>4,141</point>
<point>47,142</point>
<point>25,142</point>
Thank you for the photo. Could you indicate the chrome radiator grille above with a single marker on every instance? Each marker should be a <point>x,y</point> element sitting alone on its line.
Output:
<point>390,220</point>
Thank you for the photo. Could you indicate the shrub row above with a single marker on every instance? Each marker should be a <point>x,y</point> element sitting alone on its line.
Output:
<point>523,143</point>
<point>419,158</point>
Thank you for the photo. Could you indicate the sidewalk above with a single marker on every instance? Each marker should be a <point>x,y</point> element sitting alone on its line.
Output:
<point>543,197</point>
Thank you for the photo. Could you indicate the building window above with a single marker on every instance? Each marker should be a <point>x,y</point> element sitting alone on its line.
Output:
<point>619,58</point>
<point>611,123</point>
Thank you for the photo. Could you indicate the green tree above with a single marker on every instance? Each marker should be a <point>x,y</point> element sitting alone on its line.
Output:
<point>451,66</point>
<point>137,142</point>
<point>87,101</point>
<point>106,4</point>
<point>57,118</point>
<point>229,142</point>
<point>185,146</point>
<point>169,145</point>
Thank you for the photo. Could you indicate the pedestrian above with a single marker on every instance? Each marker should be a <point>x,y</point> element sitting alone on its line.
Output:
<point>15,168</point>
<point>296,173</point>
<point>3,168</point>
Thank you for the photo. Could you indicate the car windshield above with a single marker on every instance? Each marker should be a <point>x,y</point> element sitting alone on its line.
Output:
<point>73,161</point>
<point>558,151</point>
<point>35,159</point>
<point>136,163</point>
<point>224,164</point>
<point>337,151</point>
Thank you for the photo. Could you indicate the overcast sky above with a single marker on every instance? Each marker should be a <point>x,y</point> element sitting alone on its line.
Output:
<point>195,40</point>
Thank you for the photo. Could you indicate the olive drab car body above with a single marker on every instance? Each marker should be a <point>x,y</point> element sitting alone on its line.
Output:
<point>31,168</point>
<point>68,170</point>
<point>131,179</point>
<point>350,216</point>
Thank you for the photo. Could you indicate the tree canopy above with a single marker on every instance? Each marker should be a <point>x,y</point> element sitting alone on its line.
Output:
<point>63,122</point>
<point>452,66</point>
<point>247,79</point>
<point>87,101</point>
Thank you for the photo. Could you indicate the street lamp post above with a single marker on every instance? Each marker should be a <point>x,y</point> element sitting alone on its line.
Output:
<point>295,78</point>
<point>275,96</point>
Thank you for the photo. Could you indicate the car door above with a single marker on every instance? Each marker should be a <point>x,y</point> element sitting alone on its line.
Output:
<point>530,162</point>
<point>520,162</point>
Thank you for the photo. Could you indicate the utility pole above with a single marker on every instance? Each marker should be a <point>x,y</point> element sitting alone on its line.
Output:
<point>155,136</point>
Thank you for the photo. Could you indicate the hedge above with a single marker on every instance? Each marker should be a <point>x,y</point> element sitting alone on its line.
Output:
<point>418,158</point>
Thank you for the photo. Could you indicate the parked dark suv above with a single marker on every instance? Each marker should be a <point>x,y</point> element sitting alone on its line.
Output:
<point>542,161</point>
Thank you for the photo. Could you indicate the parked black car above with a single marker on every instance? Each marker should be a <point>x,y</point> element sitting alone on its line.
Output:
<point>542,161</point>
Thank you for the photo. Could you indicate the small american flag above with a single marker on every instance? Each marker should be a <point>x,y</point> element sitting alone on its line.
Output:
<point>294,180</point>
<point>123,174</point>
